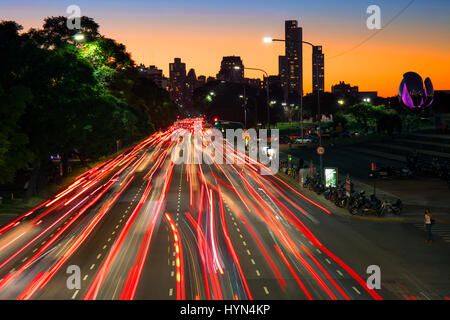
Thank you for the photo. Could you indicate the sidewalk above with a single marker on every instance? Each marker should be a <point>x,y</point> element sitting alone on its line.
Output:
<point>416,194</point>
<point>417,216</point>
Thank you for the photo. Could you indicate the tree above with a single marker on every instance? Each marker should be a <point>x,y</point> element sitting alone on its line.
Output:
<point>55,33</point>
<point>14,154</point>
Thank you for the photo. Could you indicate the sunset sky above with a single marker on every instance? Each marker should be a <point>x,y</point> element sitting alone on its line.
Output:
<point>201,32</point>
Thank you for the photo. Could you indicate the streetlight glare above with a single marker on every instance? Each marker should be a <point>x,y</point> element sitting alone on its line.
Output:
<point>267,39</point>
<point>237,68</point>
<point>79,37</point>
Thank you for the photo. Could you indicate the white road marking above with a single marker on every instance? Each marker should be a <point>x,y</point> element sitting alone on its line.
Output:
<point>85,277</point>
<point>248,252</point>
<point>75,294</point>
<point>170,292</point>
<point>253,261</point>
<point>328,261</point>
<point>356,290</point>
<point>266,290</point>
<point>92,267</point>
<point>99,255</point>
<point>340,273</point>
<point>318,251</point>
<point>257,273</point>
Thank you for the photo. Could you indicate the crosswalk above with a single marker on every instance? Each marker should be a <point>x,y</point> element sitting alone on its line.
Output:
<point>442,230</point>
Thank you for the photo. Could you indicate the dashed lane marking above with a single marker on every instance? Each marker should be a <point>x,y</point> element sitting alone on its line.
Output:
<point>356,290</point>
<point>75,294</point>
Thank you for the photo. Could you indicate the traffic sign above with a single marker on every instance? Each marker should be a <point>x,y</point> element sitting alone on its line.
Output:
<point>320,151</point>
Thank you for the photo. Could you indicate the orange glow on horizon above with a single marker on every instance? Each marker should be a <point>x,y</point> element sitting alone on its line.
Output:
<point>378,65</point>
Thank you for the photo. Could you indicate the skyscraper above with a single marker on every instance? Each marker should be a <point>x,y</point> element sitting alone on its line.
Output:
<point>318,70</point>
<point>283,74</point>
<point>191,84</point>
<point>294,60</point>
<point>177,81</point>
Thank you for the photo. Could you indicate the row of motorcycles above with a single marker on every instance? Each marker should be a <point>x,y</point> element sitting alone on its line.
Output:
<point>435,168</point>
<point>357,203</point>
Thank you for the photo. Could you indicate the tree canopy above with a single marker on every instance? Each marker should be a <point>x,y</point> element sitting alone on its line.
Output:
<point>60,96</point>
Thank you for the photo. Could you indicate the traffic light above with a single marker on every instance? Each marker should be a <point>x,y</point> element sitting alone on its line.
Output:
<point>216,119</point>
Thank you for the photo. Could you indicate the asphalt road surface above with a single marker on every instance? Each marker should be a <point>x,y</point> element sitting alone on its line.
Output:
<point>142,226</point>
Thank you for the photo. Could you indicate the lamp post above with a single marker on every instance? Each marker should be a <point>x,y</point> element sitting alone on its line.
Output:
<point>267,89</point>
<point>269,40</point>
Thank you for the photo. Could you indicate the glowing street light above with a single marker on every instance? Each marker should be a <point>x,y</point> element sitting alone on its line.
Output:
<point>341,102</point>
<point>267,40</point>
<point>78,37</point>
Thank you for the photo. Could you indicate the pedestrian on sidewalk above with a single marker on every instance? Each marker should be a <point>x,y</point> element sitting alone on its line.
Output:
<point>428,222</point>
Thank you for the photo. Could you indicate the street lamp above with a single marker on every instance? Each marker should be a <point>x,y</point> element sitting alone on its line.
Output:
<point>78,37</point>
<point>267,87</point>
<point>341,102</point>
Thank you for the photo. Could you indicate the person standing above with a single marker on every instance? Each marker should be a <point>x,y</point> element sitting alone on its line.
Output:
<point>428,222</point>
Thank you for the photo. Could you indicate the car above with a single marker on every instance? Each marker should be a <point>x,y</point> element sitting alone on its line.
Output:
<point>302,141</point>
<point>284,139</point>
<point>344,135</point>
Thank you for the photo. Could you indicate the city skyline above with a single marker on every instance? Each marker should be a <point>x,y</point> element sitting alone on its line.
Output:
<point>201,34</point>
<point>261,151</point>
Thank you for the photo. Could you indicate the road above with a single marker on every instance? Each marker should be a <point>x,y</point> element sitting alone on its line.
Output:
<point>141,226</point>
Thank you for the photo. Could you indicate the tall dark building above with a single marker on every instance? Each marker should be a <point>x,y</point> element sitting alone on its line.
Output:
<point>231,69</point>
<point>201,81</point>
<point>318,69</point>
<point>294,60</point>
<point>177,81</point>
<point>283,74</point>
<point>344,90</point>
<point>191,84</point>
<point>152,73</point>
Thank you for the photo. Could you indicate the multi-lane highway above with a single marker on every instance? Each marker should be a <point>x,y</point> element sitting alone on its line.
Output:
<point>140,226</point>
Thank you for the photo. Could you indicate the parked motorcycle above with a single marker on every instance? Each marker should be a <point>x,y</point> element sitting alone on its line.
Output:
<point>391,208</point>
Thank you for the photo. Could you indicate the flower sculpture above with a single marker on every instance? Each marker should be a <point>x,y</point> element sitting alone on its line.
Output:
<point>414,94</point>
